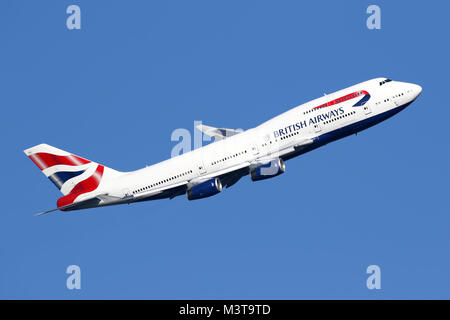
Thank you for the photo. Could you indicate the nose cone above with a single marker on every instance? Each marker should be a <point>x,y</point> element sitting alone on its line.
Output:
<point>417,90</point>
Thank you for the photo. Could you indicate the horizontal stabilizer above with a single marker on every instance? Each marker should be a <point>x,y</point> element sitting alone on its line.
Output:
<point>86,203</point>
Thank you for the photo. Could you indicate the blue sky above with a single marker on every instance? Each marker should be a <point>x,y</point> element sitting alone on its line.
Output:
<point>114,91</point>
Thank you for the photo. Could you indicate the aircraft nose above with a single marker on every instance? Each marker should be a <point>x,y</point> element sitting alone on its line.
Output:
<point>417,90</point>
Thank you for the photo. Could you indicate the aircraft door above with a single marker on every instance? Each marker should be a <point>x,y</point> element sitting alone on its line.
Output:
<point>127,193</point>
<point>317,127</point>
<point>254,148</point>
<point>201,167</point>
<point>367,109</point>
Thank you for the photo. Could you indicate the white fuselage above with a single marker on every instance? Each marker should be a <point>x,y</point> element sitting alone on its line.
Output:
<point>276,137</point>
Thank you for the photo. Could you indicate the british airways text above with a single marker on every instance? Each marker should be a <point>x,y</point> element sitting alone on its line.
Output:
<point>303,124</point>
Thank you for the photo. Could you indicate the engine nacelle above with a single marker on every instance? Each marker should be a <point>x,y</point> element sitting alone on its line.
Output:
<point>268,170</point>
<point>204,189</point>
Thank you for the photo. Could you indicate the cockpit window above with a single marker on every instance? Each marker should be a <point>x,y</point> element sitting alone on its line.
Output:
<point>384,81</point>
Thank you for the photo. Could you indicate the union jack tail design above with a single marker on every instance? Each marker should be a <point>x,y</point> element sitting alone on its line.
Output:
<point>71,174</point>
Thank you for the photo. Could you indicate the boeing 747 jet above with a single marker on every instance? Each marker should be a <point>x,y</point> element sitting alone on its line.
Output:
<point>259,152</point>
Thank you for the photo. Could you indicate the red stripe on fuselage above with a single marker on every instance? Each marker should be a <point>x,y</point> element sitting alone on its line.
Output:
<point>342,99</point>
<point>85,186</point>
<point>46,160</point>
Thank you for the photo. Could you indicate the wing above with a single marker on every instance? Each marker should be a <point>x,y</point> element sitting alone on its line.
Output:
<point>228,176</point>
<point>218,133</point>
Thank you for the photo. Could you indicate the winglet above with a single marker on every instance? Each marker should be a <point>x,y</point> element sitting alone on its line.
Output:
<point>218,133</point>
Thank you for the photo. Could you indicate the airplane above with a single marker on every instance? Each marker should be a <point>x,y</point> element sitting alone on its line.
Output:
<point>259,152</point>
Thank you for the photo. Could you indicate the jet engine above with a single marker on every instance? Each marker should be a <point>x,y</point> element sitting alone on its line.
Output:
<point>205,189</point>
<point>268,170</point>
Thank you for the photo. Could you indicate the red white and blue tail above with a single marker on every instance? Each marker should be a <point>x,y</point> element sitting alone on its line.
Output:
<point>71,174</point>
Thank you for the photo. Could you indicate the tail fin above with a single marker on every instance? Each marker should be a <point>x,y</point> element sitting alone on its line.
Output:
<point>70,173</point>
